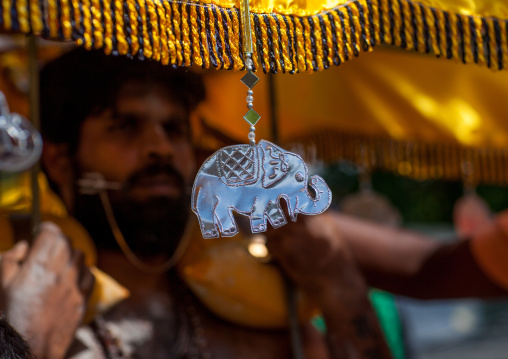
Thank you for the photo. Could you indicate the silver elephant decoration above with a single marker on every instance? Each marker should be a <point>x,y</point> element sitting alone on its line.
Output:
<point>251,180</point>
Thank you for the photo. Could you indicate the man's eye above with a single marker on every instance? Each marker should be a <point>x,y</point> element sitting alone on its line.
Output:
<point>175,129</point>
<point>124,125</point>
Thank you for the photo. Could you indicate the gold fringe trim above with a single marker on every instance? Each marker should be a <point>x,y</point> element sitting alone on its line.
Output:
<point>418,160</point>
<point>187,33</point>
<point>22,9</point>
<point>98,29</point>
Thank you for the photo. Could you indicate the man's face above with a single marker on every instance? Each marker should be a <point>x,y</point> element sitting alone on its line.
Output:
<point>143,143</point>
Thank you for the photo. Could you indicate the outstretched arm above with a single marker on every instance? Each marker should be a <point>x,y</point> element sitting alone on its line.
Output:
<point>313,255</point>
<point>410,264</point>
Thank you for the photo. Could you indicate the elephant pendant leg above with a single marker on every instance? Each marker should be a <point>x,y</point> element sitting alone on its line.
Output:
<point>275,214</point>
<point>225,220</point>
<point>257,217</point>
<point>206,215</point>
<point>261,212</point>
<point>218,218</point>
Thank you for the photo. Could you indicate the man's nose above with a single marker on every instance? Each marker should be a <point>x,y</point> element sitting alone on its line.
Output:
<point>157,143</point>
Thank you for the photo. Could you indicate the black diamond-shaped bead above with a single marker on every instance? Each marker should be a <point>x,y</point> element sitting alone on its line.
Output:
<point>250,80</point>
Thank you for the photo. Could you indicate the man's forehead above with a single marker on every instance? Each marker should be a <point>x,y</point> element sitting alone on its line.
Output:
<point>148,100</point>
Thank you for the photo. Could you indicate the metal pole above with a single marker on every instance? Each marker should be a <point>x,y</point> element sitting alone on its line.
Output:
<point>294,325</point>
<point>33,72</point>
<point>274,109</point>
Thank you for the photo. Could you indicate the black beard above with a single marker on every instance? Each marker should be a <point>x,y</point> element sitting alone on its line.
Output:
<point>150,227</point>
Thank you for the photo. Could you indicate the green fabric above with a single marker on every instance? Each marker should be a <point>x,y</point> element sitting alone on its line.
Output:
<point>384,305</point>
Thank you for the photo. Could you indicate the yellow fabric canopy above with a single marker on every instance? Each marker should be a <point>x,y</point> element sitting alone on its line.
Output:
<point>405,112</point>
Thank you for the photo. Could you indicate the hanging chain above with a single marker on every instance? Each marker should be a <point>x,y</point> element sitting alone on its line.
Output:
<point>250,79</point>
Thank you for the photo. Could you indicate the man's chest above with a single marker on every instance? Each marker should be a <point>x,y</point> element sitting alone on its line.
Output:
<point>163,328</point>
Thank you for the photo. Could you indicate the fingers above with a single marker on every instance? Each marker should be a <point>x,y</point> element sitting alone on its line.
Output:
<point>17,253</point>
<point>52,255</point>
<point>84,277</point>
<point>50,249</point>
<point>10,260</point>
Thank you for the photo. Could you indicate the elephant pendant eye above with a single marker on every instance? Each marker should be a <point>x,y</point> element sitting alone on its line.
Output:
<point>299,177</point>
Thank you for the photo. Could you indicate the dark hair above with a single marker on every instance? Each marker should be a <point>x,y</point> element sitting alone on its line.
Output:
<point>82,83</point>
<point>12,345</point>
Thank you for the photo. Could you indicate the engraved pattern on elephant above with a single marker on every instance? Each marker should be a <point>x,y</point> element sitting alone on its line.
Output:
<point>238,165</point>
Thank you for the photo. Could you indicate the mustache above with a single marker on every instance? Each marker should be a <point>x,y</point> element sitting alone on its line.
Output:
<point>154,170</point>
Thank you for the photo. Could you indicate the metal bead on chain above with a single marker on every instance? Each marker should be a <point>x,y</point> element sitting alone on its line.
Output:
<point>252,135</point>
<point>250,81</point>
<point>249,64</point>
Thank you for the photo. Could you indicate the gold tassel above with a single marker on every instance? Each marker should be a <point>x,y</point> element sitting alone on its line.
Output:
<point>133,23</point>
<point>163,32</point>
<point>6,14</point>
<point>356,25</point>
<point>264,41</point>
<point>300,45</point>
<point>211,23</point>
<point>367,26</point>
<point>169,31</point>
<point>504,44</point>
<point>65,20</point>
<point>146,47</point>
<point>386,22</point>
<point>492,44</point>
<point>329,39</point>
<point>222,35</point>
<point>77,17</point>
<point>408,27</point>
<point>203,37</point>
<point>347,29</point>
<point>318,42</point>
<point>294,40</point>
<point>376,20</point>
<point>195,36</point>
<point>21,8</point>
<point>429,16</point>
<point>176,26</point>
<point>479,40</point>
<point>123,46</point>
<point>468,51</point>
<point>341,50</point>
<point>98,31</point>
<point>87,24</point>
<point>397,19</point>
<point>154,21</point>
<point>308,45</point>
<point>442,31</point>
<point>275,41</point>
<point>454,36</point>
<point>234,40</point>
<point>420,18</point>
<point>108,29</point>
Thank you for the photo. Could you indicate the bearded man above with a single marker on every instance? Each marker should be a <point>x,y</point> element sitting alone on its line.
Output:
<point>128,121</point>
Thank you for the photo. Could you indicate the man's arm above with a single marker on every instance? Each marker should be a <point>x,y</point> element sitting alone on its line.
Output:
<point>414,265</point>
<point>319,263</point>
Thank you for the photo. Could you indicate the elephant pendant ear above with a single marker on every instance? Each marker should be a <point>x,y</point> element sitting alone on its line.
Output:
<point>251,179</point>
<point>275,163</point>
